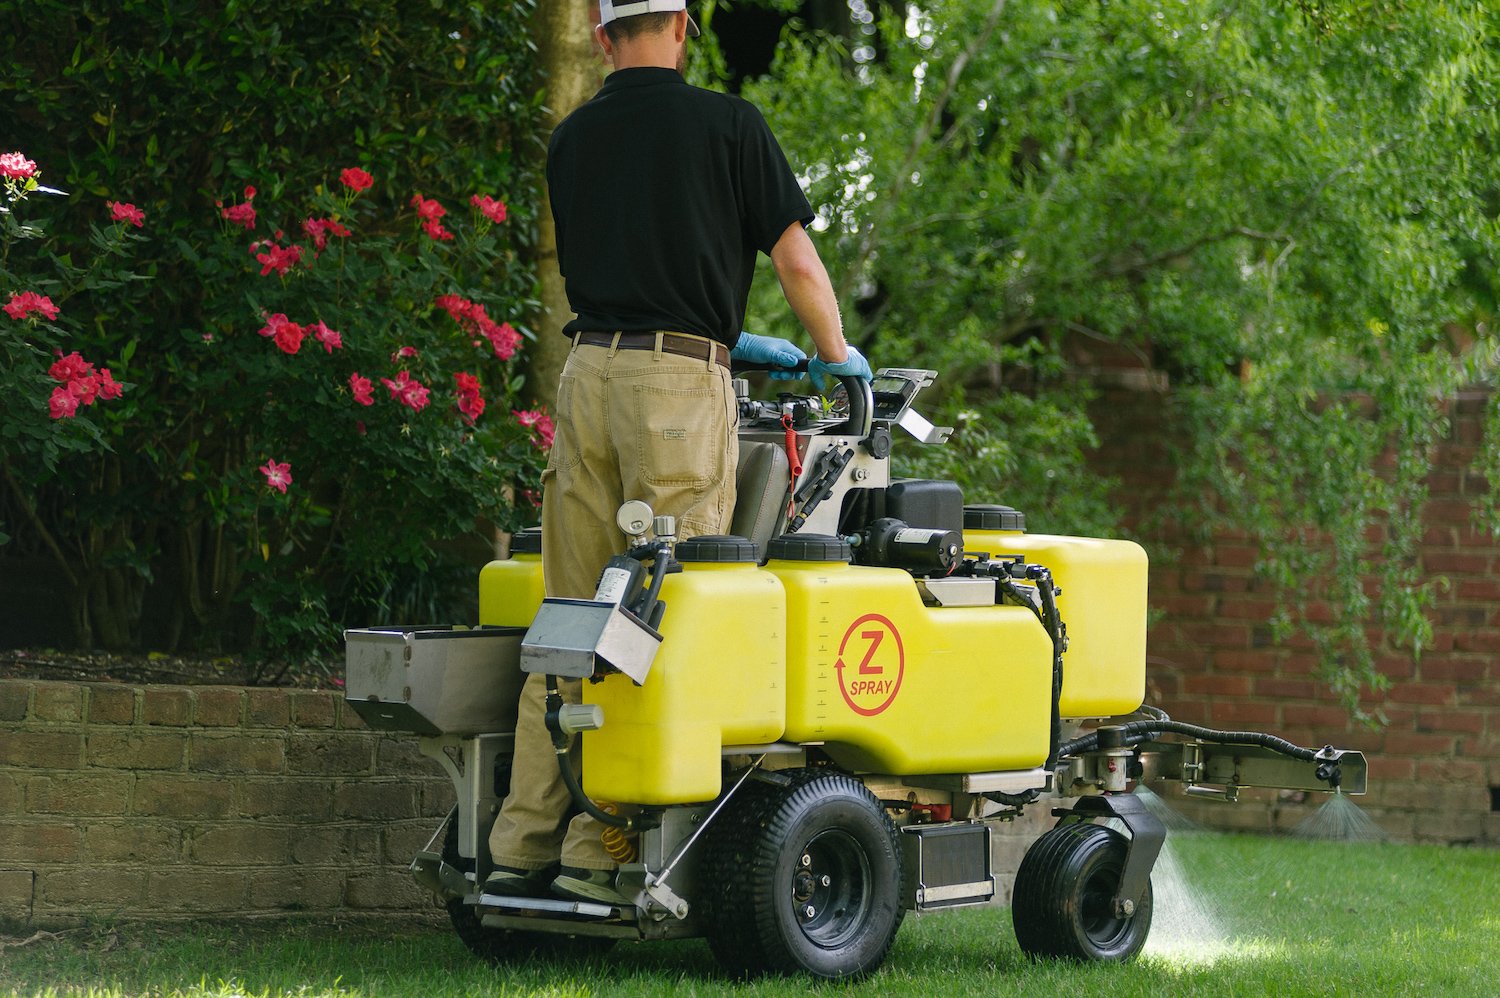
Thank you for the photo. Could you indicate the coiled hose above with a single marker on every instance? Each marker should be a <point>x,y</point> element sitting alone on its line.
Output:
<point>1135,732</point>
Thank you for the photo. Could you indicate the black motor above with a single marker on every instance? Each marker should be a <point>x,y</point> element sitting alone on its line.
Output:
<point>892,543</point>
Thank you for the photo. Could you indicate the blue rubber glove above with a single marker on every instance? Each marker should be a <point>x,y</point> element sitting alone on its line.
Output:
<point>855,367</point>
<point>770,350</point>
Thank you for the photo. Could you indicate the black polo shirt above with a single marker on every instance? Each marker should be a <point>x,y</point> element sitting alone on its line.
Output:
<point>662,193</point>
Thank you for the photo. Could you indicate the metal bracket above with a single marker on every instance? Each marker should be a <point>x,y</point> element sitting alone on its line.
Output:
<point>1146,837</point>
<point>656,883</point>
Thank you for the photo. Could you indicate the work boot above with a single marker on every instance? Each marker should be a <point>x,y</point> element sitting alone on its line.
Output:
<point>509,881</point>
<point>578,884</point>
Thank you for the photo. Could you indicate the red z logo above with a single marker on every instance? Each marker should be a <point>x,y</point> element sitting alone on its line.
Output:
<point>870,697</point>
<point>874,637</point>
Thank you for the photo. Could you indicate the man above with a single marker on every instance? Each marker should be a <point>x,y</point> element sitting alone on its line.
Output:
<point>662,194</point>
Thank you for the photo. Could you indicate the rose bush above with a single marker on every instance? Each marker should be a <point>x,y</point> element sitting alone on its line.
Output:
<point>40,383</point>
<point>363,169</point>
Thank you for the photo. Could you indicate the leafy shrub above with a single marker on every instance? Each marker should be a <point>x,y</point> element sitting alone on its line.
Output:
<point>174,526</point>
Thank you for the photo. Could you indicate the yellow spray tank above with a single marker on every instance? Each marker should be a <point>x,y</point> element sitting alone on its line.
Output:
<point>1103,603</point>
<point>510,589</point>
<point>888,684</point>
<point>718,679</point>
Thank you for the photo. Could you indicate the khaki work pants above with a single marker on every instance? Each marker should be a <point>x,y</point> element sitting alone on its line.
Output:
<point>631,424</point>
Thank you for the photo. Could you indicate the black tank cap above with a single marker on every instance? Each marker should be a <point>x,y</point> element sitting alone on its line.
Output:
<point>810,547</point>
<point>526,541</point>
<point>986,516</point>
<point>718,548</point>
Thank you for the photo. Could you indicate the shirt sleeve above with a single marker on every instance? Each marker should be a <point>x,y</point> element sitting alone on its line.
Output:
<point>770,197</point>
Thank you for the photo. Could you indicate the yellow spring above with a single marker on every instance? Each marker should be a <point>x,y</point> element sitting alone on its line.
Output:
<point>617,842</point>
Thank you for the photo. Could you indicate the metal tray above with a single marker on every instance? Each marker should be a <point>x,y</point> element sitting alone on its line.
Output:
<point>434,680</point>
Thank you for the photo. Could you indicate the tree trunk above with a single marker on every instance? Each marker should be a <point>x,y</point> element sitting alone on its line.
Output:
<point>573,68</point>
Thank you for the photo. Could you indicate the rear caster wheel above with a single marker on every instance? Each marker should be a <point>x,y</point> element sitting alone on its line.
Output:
<point>1063,902</point>
<point>807,879</point>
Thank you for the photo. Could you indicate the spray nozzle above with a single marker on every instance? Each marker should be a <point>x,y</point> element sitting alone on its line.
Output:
<point>1328,767</point>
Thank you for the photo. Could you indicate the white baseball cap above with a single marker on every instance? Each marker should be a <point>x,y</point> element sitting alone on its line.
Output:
<point>613,10</point>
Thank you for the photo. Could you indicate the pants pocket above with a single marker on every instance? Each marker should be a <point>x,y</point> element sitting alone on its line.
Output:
<point>680,434</point>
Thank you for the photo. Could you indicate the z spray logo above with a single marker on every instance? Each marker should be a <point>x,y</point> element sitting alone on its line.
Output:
<point>870,664</point>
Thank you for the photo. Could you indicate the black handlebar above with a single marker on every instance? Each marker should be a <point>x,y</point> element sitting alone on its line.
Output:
<point>861,397</point>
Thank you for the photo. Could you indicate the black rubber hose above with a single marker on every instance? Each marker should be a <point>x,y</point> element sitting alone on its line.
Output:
<point>1053,622</point>
<point>561,743</point>
<point>1136,732</point>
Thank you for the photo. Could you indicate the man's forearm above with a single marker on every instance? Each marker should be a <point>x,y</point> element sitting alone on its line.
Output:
<point>805,283</point>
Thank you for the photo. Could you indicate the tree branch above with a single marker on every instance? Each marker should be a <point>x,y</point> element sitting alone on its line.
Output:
<point>868,239</point>
<point>41,528</point>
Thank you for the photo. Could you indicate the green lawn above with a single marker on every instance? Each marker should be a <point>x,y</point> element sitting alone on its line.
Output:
<point>1237,915</point>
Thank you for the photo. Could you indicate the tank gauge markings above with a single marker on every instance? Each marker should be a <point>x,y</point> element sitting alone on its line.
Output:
<point>870,665</point>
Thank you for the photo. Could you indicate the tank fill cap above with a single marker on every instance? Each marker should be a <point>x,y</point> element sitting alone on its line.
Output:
<point>527,541</point>
<point>986,516</point>
<point>717,548</point>
<point>810,547</point>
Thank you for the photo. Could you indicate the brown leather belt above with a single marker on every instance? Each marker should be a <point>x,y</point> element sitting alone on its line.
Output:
<point>682,346</point>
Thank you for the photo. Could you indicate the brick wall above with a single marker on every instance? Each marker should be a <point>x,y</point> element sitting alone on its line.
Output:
<point>172,802</point>
<point>1435,770</point>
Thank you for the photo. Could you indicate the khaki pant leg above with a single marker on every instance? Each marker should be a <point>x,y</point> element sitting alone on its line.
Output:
<point>528,832</point>
<point>672,421</point>
<point>581,489</point>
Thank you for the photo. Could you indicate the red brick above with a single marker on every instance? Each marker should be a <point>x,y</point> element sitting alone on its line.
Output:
<point>267,708</point>
<point>1452,720</point>
<point>179,797</point>
<point>1181,606</point>
<point>1477,641</point>
<point>1401,743</point>
<point>1185,708</point>
<point>1214,582</point>
<point>17,888</point>
<point>75,794</point>
<point>1319,716</point>
<point>1242,712</point>
<point>347,718</point>
<point>218,707</point>
<point>1455,512</point>
<point>1480,695</point>
<point>1235,686</point>
<point>1386,768</point>
<point>259,844</point>
<point>1431,693</point>
<point>1291,689</point>
<point>1215,635</point>
<point>1482,748</point>
<point>15,699</point>
<point>237,754</point>
<point>1247,608</point>
<point>39,843</point>
<point>190,890</point>
<point>1262,660</point>
<point>1467,772</point>
<point>166,706</point>
<point>129,750</point>
<point>1478,590</point>
<point>62,702</point>
<point>1299,665</point>
<point>313,709</point>
<point>41,749</point>
<point>1445,667</point>
<point>1462,617</point>
<point>110,704</point>
<point>1236,555</point>
<point>137,842</point>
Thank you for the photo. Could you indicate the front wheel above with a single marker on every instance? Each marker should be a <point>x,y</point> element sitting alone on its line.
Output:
<point>1063,905</point>
<point>809,880</point>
